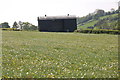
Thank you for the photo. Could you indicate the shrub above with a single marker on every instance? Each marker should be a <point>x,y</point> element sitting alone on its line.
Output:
<point>99,31</point>
<point>7,29</point>
<point>10,29</point>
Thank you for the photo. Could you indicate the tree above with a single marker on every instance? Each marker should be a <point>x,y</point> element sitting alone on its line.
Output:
<point>15,25</point>
<point>28,26</point>
<point>5,25</point>
<point>117,11</point>
<point>20,25</point>
<point>96,17</point>
<point>99,12</point>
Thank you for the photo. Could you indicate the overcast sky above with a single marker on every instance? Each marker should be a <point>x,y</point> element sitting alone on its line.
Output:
<point>29,10</point>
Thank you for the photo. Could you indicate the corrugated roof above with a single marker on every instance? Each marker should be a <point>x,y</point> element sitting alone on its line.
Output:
<point>56,17</point>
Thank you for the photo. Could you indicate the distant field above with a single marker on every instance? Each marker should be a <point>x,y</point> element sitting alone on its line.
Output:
<point>92,22</point>
<point>59,55</point>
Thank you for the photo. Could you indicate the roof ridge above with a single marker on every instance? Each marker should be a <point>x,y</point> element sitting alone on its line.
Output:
<point>57,17</point>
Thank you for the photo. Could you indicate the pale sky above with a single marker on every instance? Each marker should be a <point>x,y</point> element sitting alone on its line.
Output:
<point>29,10</point>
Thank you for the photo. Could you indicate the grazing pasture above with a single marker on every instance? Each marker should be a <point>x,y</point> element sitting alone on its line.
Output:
<point>59,55</point>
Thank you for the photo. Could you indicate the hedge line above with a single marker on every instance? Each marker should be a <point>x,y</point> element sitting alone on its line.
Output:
<point>10,29</point>
<point>99,31</point>
<point>95,31</point>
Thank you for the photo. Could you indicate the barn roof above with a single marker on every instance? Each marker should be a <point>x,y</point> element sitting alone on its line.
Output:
<point>56,17</point>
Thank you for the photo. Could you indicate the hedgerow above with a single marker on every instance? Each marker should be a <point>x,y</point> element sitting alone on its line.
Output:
<point>10,29</point>
<point>99,31</point>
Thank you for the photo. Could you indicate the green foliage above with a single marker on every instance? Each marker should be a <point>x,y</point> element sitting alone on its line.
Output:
<point>87,24</point>
<point>7,29</point>
<point>59,55</point>
<point>5,25</point>
<point>99,31</point>
<point>28,26</point>
<point>104,22</point>
<point>107,21</point>
<point>107,16</point>
<point>84,19</point>
<point>15,25</point>
<point>10,29</point>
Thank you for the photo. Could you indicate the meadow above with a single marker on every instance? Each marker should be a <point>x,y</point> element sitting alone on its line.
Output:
<point>59,55</point>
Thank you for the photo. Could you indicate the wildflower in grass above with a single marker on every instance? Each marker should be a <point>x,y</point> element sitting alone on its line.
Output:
<point>92,73</point>
<point>21,70</point>
<point>27,73</point>
<point>52,56</point>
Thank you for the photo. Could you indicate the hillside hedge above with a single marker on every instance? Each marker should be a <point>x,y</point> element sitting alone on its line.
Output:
<point>99,31</point>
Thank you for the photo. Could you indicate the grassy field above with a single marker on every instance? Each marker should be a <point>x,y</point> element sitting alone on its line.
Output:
<point>0,54</point>
<point>59,55</point>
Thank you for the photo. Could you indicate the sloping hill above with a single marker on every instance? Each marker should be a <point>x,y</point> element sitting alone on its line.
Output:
<point>107,21</point>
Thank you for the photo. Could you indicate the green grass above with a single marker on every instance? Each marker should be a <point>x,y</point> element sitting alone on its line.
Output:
<point>59,55</point>
<point>93,22</point>
<point>0,53</point>
<point>88,24</point>
<point>108,16</point>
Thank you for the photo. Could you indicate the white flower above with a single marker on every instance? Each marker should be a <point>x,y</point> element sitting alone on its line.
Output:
<point>27,73</point>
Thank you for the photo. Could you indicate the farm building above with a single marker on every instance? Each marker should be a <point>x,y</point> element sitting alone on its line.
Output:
<point>57,23</point>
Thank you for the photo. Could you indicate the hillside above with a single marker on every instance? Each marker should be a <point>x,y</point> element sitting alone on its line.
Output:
<point>96,21</point>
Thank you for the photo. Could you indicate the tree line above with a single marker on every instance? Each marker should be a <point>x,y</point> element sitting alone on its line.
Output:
<point>20,26</point>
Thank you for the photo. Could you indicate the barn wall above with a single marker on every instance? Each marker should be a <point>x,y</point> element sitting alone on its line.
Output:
<point>44,25</point>
<point>57,25</point>
<point>70,25</point>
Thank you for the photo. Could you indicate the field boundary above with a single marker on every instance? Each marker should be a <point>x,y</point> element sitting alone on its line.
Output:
<point>99,31</point>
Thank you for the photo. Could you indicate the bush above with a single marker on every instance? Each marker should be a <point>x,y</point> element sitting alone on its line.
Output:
<point>10,29</point>
<point>7,29</point>
<point>99,31</point>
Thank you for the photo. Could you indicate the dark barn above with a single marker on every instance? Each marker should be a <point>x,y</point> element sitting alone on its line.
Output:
<point>57,24</point>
